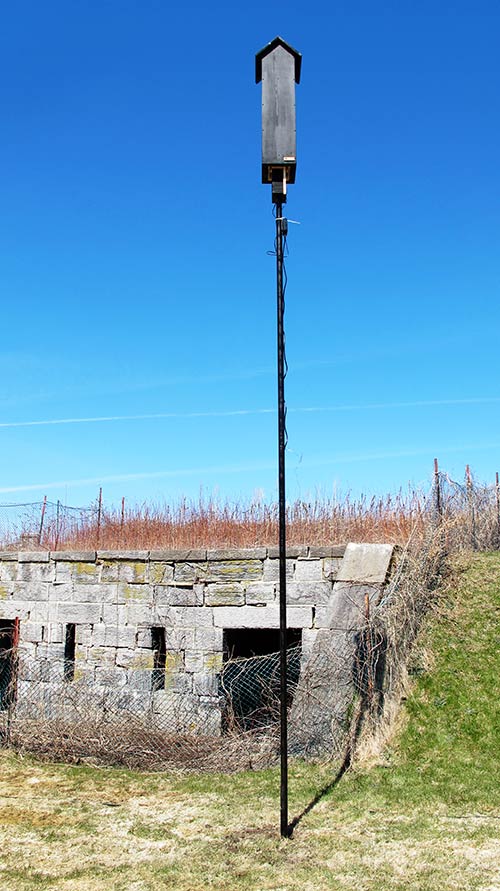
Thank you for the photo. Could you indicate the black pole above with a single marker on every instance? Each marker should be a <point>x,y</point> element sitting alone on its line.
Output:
<point>280,231</point>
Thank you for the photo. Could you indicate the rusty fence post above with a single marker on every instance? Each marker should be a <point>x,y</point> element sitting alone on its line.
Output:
<point>438,502</point>
<point>99,517</point>
<point>472,512</point>
<point>44,508</point>
<point>497,493</point>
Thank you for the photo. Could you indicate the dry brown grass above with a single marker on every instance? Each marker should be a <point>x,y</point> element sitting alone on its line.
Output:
<point>215,524</point>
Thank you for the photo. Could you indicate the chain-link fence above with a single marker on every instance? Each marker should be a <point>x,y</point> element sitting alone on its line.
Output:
<point>468,512</point>
<point>46,524</point>
<point>47,709</point>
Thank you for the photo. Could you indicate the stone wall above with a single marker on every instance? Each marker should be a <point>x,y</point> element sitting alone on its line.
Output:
<point>115,600</point>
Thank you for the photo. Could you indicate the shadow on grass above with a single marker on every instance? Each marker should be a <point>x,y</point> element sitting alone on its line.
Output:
<point>344,767</point>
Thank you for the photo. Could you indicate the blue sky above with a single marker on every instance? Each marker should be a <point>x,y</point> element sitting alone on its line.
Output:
<point>134,232</point>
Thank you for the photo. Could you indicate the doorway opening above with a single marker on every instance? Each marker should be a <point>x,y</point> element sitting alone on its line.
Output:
<point>9,639</point>
<point>250,678</point>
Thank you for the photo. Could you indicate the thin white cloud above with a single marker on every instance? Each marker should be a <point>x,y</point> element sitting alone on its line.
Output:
<point>314,409</point>
<point>256,466</point>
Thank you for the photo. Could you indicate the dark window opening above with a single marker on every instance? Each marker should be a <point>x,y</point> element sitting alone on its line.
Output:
<point>159,658</point>
<point>9,638</point>
<point>69,652</point>
<point>250,679</point>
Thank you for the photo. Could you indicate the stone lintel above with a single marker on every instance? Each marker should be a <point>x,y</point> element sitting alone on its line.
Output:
<point>33,556</point>
<point>135,556</point>
<point>237,554</point>
<point>292,552</point>
<point>178,555</point>
<point>73,556</point>
<point>327,550</point>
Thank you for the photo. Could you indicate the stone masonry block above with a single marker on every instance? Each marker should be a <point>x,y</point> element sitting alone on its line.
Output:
<point>260,593</point>
<point>109,570</point>
<point>33,556</point>
<point>225,594</point>
<point>261,617</point>
<point>138,679</point>
<point>308,571</point>
<point>80,613</point>
<point>331,566</point>
<point>117,613</point>
<point>114,636</point>
<point>308,592</point>
<point>55,632</point>
<point>27,650</point>
<point>29,670</point>
<point>366,563</point>
<point>206,684</point>
<point>292,552</point>
<point>133,572</point>
<point>37,611</point>
<point>31,591</point>
<point>61,591</point>
<point>134,556</point>
<point>103,593</point>
<point>194,661</point>
<point>272,570</point>
<point>143,638</point>
<point>63,573</point>
<point>178,596</point>
<point>110,677</point>
<point>241,554</point>
<point>190,555</point>
<point>32,632</point>
<point>235,570</point>
<point>190,572</point>
<point>309,637</point>
<point>7,589</point>
<point>208,638</point>
<point>16,609</point>
<point>138,614</point>
<point>184,616</point>
<point>103,656</point>
<point>73,556</point>
<point>51,652</point>
<point>10,556</point>
<point>36,572</point>
<point>127,593</point>
<point>327,550</point>
<point>179,683</point>
<point>85,572</point>
<point>84,635</point>
<point>179,638</point>
<point>161,573</point>
<point>8,570</point>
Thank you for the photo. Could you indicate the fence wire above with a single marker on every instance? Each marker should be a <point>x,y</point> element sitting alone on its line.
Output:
<point>47,710</point>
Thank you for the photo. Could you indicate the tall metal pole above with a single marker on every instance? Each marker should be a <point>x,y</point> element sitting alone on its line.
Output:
<point>284,828</point>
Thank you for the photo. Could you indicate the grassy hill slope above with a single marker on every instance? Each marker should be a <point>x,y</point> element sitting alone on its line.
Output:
<point>426,818</point>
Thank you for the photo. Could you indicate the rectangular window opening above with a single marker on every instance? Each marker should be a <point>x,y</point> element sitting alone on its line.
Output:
<point>69,652</point>
<point>250,679</point>
<point>159,658</point>
<point>9,638</point>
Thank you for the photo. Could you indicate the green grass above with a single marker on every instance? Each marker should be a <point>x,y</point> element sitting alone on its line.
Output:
<point>426,818</point>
